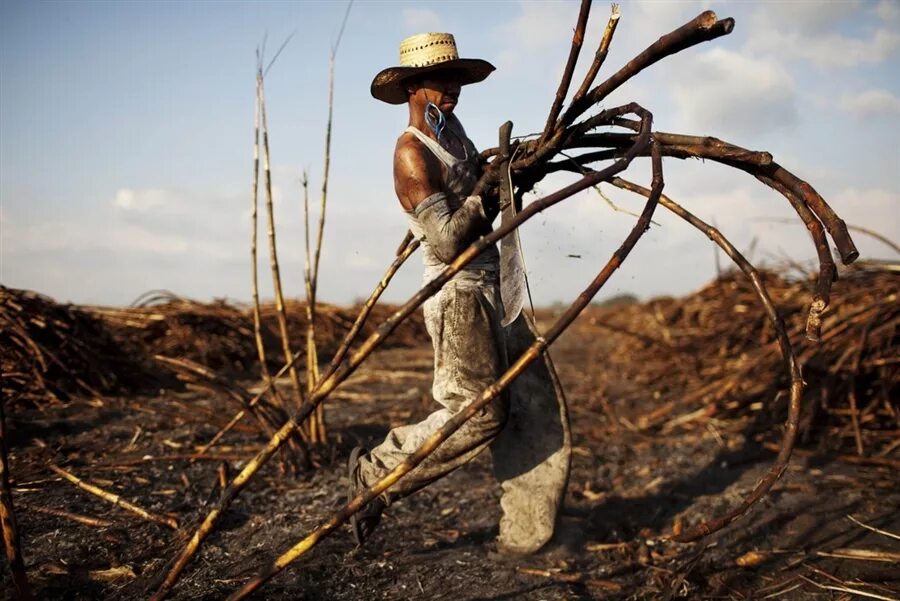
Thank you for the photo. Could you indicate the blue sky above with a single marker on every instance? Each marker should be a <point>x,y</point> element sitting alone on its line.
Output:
<point>126,132</point>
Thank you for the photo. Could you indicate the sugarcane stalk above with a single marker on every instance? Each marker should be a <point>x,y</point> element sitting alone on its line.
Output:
<point>489,394</point>
<point>115,499</point>
<point>367,307</point>
<point>599,55</point>
<point>273,251</point>
<point>827,269</point>
<point>254,195</point>
<point>312,361</point>
<point>791,365</point>
<point>384,330</point>
<point>12,543</point>
<point>408,238</point>
<point>566,79</point>
<point>317,422</point>
<point>349,338</point>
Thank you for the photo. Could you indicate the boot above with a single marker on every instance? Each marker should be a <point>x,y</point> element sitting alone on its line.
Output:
<point>364,521</point>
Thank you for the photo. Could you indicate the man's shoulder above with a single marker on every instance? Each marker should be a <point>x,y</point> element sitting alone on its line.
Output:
<point>407,143</point>
<point>411,151</point>
<point>415,166</point>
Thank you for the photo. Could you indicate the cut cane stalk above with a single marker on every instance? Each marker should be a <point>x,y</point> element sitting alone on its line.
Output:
<point>490,393</point>
<point>566,80</point>
<point>75,517</point>
<point>115,499</point>
<point>599,56</point>
<point>12,544</point>
<point>341,353</point>
<point>429,290</point>
<point>791,365</point>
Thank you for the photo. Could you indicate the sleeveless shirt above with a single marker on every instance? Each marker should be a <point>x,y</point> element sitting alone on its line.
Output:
<point>459,181</point>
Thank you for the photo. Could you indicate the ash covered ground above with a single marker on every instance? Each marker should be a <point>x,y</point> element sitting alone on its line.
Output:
<point>649,457</point>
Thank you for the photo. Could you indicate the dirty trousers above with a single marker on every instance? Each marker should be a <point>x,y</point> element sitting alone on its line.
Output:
<point>526,426</point>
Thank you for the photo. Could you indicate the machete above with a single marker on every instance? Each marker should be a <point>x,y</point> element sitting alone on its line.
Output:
<point>512,268</point>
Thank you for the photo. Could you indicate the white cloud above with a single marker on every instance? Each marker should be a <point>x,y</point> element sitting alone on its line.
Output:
<point>723,92</point>
<point>46,236</point>
<point>871,103</point>
<point>149,222</point>
<point>875,209</point>
<point>888,10</point>
<point>538,28</point>
<point>421,20</point>
<point>140,239</point>
<point>809,31</point>
<point>541,25</point>
<point>115,237</point>
<point>143,201</point>
<point>808,17</point>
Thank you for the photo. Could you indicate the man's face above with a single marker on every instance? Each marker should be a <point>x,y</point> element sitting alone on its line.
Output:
<point>441,88</point>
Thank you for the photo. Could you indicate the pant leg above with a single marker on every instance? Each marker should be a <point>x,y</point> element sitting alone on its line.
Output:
<point>532,454</point>
<point>463,320</point>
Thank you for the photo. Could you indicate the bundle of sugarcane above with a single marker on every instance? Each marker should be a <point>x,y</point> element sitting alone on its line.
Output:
<point>217,335</point>
<point>52,351</point>
<point>714,353</point>
<point>513,169</point>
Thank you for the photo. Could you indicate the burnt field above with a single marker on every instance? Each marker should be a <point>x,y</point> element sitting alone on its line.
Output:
<point>676,405</point>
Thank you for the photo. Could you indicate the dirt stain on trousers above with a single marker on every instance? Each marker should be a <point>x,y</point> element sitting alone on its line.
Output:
<point>526,426</point>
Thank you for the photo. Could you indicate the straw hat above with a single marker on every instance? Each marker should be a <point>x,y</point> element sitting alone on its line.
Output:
<point>421,54</point>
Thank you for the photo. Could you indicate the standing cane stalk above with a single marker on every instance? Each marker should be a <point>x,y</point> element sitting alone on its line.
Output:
<point>317,423</point>
<point>11,541</point>
<point>277,401</point>
<point>273,251</point>
<point>254,227</point>
<point>312,360</point>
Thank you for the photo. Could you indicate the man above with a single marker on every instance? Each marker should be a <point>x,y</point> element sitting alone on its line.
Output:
<point>436,167</point>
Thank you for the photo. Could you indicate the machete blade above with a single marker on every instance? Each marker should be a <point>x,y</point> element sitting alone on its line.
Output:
<point>512,267</point>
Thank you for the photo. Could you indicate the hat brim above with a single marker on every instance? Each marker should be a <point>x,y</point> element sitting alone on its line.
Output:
<point>388,84</point>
